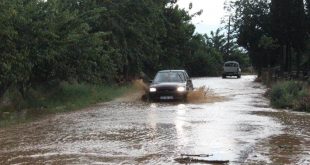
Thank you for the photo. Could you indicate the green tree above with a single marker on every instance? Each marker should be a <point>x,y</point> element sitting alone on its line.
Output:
<point>250,23</point>
<point>289,28</point>
<point>218,41</point>
<point>175,42</point>
<point>204,60</point>
<point>46,41</point>
<point>7,46</point>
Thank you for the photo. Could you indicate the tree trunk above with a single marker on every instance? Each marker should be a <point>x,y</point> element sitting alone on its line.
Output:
<point>288,60</point>
<point>3,89</point>
<point>283,57</point>
<point>298,62</point>
<point>287,54</point>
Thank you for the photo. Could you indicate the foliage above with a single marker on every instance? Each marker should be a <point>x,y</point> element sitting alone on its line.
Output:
<point>303,104</point>
<point>44,41</point>
<point>99,42</point>
<point>290,94</point>
<point>273,32</point>
<point>48,99</point>
<point>204,59</point>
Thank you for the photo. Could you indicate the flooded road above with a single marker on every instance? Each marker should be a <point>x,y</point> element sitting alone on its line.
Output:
<point>242,129</point>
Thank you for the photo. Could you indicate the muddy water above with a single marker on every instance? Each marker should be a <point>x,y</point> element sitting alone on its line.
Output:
<point>241,129</point>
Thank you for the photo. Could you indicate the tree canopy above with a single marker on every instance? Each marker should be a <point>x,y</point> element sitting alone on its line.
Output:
<point>275,33</point>
<point>92,41</point>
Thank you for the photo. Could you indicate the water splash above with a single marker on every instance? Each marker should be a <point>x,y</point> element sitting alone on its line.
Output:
<point>140,85</point>
<point>138,92</point>
<point>197,96</point>
<point>203,95</point>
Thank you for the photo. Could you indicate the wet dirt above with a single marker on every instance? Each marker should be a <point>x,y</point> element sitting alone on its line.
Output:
<point>242,128</point>
<point>292,146</point>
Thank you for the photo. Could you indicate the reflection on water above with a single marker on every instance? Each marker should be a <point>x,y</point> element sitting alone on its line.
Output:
<point>153,105</point>
<point>124,132</point>
<point>180,126</point>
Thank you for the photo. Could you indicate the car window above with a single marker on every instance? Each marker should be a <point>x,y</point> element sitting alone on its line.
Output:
<point>168,77</point>
<point>182,76</point>
<point>186,76</point>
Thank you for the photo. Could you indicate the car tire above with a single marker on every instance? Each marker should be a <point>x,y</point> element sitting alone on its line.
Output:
<point>150,99</point>
<point>239,76</point>
<point>223,76</point>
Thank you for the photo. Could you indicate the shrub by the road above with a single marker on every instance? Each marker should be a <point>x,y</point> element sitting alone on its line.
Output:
<point>43,100</point>
<point>290,94</point>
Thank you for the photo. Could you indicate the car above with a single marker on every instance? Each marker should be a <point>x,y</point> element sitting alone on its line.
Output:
<point>231,68</point>
<point>170,85</point>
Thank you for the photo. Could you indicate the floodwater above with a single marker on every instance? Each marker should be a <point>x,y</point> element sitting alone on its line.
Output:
<point>241,128</point>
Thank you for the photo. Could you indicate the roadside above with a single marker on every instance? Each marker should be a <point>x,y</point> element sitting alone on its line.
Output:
<point>44,101</point>
<point>287,94</point>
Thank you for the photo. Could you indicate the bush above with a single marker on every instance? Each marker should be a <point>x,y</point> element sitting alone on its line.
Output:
<point>290,94</point>
<point>44,99</point>
<point>72,96</point>
<point>303,104</point>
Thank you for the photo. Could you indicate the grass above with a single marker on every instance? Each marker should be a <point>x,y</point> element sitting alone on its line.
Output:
<point>43,100</point>
<point>290,94</point>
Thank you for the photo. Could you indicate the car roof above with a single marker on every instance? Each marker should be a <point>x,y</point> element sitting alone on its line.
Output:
<point>171,71</point>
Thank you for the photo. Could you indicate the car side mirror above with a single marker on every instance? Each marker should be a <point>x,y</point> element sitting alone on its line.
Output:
<point>150,81</point>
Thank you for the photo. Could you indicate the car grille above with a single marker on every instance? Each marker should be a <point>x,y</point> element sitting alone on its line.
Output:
<point>166,89</point>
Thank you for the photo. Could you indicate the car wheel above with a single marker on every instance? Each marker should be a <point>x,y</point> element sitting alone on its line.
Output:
<point>223,76</point>
<point>184,99</point>
<point>239,76</point>
<point>150,99</point>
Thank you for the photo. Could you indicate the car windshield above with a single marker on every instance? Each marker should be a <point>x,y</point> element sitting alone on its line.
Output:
<point>169,77</point>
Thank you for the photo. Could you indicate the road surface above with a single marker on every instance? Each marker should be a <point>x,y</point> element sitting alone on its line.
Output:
<point>242,128</point>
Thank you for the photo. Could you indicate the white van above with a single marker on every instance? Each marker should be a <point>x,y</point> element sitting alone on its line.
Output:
<point>231,68</point>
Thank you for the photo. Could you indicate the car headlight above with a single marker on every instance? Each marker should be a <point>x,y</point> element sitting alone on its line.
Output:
<point>181,89</point>
<point>152,89</point>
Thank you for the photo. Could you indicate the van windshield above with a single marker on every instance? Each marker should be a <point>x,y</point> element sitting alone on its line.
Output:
<point>231,65</point>
<point>169,77</point>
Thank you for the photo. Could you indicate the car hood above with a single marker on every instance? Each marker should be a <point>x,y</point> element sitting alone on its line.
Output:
<point>168,84</point>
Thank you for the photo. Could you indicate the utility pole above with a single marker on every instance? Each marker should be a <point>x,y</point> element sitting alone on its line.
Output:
<point>228,37</point>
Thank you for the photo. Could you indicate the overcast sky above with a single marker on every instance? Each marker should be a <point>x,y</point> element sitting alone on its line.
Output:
<point>212,13</point>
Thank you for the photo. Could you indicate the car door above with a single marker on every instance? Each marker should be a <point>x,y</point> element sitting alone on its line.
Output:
<point>189,83</point>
